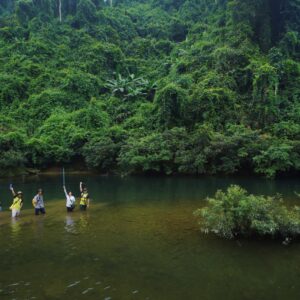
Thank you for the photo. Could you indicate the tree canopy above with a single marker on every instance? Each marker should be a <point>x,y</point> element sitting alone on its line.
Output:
<point>189,86</point>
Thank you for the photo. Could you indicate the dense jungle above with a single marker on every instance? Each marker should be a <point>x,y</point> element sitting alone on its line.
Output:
<point>157,86</point>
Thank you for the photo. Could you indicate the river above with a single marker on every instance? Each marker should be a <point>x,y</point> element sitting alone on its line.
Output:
<point>138,240</point>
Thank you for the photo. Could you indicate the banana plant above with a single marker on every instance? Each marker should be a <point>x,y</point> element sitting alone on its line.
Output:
<point>129,87</point>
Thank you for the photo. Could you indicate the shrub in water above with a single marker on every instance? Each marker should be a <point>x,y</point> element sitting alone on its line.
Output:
<point>236,213</point>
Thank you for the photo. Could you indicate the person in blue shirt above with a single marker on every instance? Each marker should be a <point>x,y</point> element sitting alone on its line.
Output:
<point>38,203</point>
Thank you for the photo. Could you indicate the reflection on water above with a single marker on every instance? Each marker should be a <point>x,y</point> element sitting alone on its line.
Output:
<point>76,224</point>
<point>38,226</point>
<point>16,228</point>
<point>70,224</point>
<point>83,222</point>
<point>139,240</point>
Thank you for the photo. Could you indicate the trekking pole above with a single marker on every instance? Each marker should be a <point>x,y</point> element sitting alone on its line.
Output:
<point>63,177</point>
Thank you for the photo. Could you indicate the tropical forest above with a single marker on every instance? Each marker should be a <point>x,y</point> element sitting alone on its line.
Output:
<point>156,87</point>
<point>149,149</point>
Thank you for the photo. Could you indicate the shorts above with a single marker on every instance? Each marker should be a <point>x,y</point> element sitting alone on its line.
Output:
<point>38,210</point>
<point>83,207</point>
<point>70,209</point>
<point>15,213</point>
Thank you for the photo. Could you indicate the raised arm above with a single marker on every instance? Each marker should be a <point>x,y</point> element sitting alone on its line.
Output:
<point>80,187</point>
<point>12,190</point>
<point>65,191</point>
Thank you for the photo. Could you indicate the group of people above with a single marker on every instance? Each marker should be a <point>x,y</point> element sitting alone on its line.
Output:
<point>39,205</point>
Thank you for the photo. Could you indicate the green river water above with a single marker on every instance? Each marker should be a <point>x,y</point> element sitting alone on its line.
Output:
<point>138,240</point>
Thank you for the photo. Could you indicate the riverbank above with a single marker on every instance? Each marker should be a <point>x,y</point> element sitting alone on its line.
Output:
<point>18,172</point>
<point>81,169</point>
<point>72,171</point>
<point>48,171</point>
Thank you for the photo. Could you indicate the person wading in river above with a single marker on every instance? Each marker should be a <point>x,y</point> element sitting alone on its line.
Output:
<point>84,197</point>
<point>70,200</point>
<point>17,203</point>
<point>38,203</point>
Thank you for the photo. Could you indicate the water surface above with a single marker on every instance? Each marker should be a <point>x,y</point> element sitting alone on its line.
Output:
<point>139,240</point>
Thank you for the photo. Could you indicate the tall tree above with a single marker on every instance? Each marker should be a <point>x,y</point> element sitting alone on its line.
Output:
<point>59,8</point>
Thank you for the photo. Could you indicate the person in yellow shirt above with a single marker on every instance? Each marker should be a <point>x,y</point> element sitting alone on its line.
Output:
<point>17,203</point>
<point>84,197</point>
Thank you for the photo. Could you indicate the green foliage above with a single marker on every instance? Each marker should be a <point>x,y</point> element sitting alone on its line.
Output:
<point>86,12</point>
<point>214,105</point>
<point>235,213</point>
<point>216,85</point>
<point>13,146</point>
<point>280,156</point>
<point>171,102</point>
<point>39,107</point>
<point>25,10</point>
<point>13,150</point>
<point>147,154</point>
<point>92,118</point>
<point>57,140</point>
<point>13,87</point>
<point>101,153</point>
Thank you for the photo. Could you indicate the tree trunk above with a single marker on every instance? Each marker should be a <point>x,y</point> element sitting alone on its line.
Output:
<point>59,8</point>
